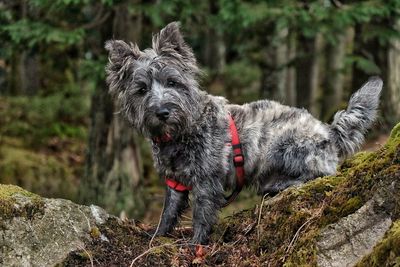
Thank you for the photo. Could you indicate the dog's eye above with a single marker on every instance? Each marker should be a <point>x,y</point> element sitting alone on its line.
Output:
<point>172,83</point>
<point>142,89</point>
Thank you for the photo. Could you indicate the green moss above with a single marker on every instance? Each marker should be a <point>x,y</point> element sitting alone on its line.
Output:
<point>11,204</point>
<point>341,208</point>
<point>95,232</point>
<point>395,133</point>
<point>41,173</point>
<point>387,252</point>
<point>8,191</point>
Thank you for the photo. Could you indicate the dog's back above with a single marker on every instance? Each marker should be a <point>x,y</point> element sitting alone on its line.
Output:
<point>286,145</point>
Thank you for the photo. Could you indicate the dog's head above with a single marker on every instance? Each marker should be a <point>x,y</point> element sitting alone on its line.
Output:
<point>157,87</point>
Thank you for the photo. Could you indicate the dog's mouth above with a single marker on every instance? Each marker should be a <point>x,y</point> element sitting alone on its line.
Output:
<point>162,133</point>
<point>165,138</point>
<point>167,130</point>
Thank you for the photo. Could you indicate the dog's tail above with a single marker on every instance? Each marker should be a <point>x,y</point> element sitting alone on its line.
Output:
<point>350,125</point>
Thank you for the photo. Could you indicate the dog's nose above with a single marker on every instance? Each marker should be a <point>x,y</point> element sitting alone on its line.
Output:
<point>162,114</point>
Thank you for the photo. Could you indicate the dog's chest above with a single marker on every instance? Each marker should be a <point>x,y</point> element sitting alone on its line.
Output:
<point>174,161</point>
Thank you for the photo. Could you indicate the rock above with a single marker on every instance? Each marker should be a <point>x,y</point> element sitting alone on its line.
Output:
<point>353,237</point>
<point>343,220</point>
<point>46,236</point>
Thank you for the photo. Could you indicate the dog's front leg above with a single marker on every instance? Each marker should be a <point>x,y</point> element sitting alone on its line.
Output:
<point>175,203</point>
<point>206,204</point>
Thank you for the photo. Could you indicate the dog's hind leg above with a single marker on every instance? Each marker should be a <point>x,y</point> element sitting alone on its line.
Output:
<point>275,182</point>
<point>297,158</point>
<point>175,203</point>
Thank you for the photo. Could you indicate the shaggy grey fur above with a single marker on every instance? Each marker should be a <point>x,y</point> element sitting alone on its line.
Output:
<point>283,146</point>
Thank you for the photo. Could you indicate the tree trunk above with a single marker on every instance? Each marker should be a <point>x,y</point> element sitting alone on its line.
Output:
<point>274,69</point>
<point>113,165</point>
<point>333,90</point>
<point>348,73</point>
<point>314,106</point>
<point>392,96</point>
<point>308,72</point>
<point>291,71</point>
<point>215,48</point>
<point>281,63</point>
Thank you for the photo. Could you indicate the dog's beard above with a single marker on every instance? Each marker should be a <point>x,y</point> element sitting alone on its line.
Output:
<point>156,128</point>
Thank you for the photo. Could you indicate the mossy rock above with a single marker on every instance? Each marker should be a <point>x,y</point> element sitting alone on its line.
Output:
<point>10,206</point>
<point>291,227</point>
<point>36,231</point>
<point>387,252</point>
<point>295,228</point>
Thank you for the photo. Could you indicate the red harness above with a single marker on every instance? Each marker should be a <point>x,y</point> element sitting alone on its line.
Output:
<point>238,162</point>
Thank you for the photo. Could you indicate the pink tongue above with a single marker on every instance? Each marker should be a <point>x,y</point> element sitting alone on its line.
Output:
<point>166,137</point>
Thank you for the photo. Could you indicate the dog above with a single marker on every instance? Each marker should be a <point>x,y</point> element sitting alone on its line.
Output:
<point>190,130</point>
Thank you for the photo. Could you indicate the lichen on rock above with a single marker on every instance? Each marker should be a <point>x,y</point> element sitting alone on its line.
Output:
<point>40,232</point>
<point>17,202</point>
<point>387,252</point>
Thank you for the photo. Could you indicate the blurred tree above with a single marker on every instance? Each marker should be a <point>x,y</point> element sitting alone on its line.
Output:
<point>37,34</point>
<point>113,165</point>
<point>215,49</point>
<point>393,77</point>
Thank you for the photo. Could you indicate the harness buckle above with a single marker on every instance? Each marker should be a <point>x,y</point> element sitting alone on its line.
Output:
<point>238,160</point>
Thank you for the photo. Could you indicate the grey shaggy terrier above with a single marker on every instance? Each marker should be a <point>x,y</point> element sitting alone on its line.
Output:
<point>159,94</point>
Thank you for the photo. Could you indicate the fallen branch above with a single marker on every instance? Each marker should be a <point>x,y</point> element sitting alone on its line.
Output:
<point>259,216</point>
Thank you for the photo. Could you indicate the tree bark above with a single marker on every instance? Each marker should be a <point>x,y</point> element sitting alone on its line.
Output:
<point>334,88</point>
<point>274,68</point>
<point>281,62</point>
<point>215,48</point>
<point>308,73</point>
<point>314,106</point>
<point>113,165</point>
<point>291,71</point>
<point>392,96</point>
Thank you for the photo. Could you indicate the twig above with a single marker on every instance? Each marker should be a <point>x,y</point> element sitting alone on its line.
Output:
<point>249,228</point>
<point>259,216</point>
<point>150,249</point>
<point>158,225</point>
<point>186,217</point>
<point>296,236</point>
<point>162,246</point>
<point>232,244</point>
<point>213,250</point>
<point>222,235</point>
<point>183,228</point>
<point>89,255</point>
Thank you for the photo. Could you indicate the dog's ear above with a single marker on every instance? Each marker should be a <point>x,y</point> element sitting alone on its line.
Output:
<point>169,42</point>
<point>119,51</point>
<point>120,54</point>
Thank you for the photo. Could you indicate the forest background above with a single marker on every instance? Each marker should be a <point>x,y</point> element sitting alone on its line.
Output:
<point>60,132</point>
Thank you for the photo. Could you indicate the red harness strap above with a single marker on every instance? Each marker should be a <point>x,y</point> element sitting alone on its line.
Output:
<point>177,185</point>
<point>238,162</point>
